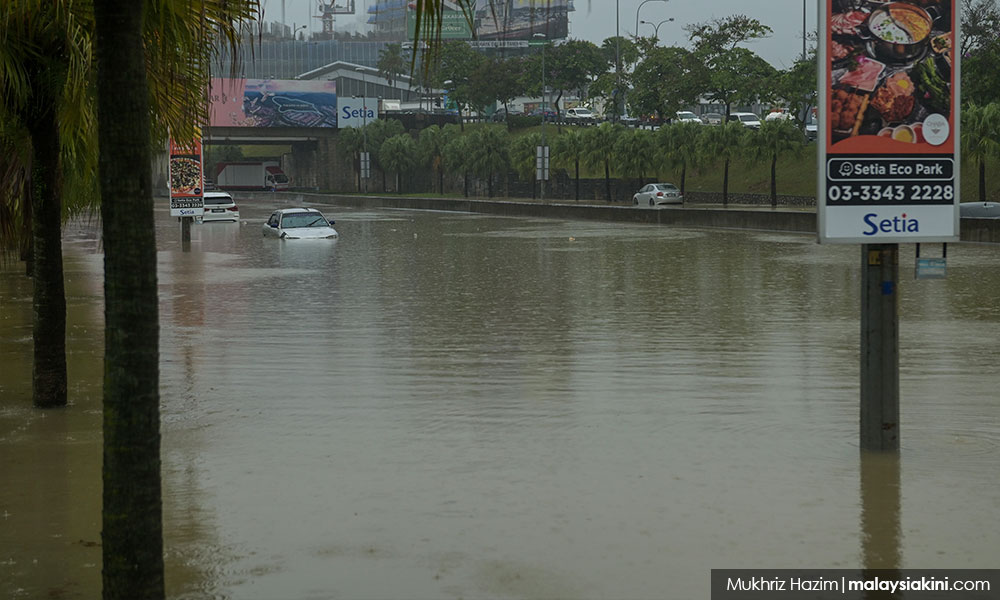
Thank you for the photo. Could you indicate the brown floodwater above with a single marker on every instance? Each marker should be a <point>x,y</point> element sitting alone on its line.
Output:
<point>445,405</point>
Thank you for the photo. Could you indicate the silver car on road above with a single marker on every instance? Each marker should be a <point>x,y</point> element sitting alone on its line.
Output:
<point>658,193</point>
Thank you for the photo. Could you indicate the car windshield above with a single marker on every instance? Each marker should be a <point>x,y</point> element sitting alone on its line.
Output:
<point>686,115</point>
<point>218,200</point>
<point>296,220</point>
<point>582,111</point>
<point>666,187</point>
<point>280,178</point>
<point>749,118</point>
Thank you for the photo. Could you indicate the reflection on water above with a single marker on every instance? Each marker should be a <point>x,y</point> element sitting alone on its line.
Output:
<point>446,405</point>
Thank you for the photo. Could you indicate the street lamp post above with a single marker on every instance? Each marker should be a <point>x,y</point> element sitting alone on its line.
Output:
<point>295,57</point>
<point>544,151</point>
<point>637,14</point>
<point>656,27</point>
<point>365,165</point>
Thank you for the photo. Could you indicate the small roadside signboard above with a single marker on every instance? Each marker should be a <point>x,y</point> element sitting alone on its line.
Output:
<point>889,77</point>
<point>187,182</point>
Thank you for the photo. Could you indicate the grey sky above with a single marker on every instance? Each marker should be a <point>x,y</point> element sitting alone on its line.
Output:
<point>594,20</point>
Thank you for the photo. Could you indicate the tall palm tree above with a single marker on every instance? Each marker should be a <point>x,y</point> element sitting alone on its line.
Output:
<point>45,59</point>
<point>132,532</point>
<point>391,63</point>
<point>151,59</point>
<point>723,143</point>
<point>680,142</point>
<point>488,153</point>
<point>637,153</point>
<point>569,149</point>
<point>599,150</point>
<point>399,154</point>
<point>981,138</point>
<point>774,140</point>
<point>352,140</point>
<point>431,145</point>
<point>523,152</point>
<point>456,155</point>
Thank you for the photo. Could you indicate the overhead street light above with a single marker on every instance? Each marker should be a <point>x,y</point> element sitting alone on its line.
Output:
<point>637,14</point>
<point>656,26</point>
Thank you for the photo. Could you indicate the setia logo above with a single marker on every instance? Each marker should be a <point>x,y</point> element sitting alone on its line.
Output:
<point>358,113</point>
<point>875,224</point>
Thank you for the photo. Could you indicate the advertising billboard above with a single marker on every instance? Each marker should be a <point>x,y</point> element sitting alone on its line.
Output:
<point>273,103</point>
<point>521,19</point>
<point>454,24</point>
<point>357,112</point>
<point>889,121</point>
<point>187,180</point>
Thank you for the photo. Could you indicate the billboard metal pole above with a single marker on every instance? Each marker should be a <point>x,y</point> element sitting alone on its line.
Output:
<point>880,347</point>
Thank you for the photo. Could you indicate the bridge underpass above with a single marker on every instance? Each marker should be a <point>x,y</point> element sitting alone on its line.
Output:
<point>313,163</point>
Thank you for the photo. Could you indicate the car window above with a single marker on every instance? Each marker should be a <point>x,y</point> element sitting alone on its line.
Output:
<point>273,221</point>
<point>667,187</point>
<point>749,118</point>
<point>218,200</point>
<point>297,220</point>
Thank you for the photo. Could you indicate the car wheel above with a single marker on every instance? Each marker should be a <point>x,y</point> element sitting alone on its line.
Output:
<point>635,200</point>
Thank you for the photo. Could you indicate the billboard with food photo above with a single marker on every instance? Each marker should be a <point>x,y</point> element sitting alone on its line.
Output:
<point>889,105</point>
<point>186,179</point>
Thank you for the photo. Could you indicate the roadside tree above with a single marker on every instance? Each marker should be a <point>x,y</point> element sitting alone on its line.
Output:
<point>681,145</point>
<point>523,151</point>
<point>774,140</point>
<point>599,150</point>
<point>568,150</point>
<point>796,86</point>
<point>666,80</point>
<point>399,154</point>
<point>637,154</point>
<point>456,155</point>
<point>724,143</point>
<point>488,151</point>
<point>735,75</point>
<point>981,138</point>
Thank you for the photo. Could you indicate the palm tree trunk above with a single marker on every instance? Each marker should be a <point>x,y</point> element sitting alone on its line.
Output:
<point>774,181</point>
<point>684,170</point>
<point>607,180</point>
<point>48,376</point>
<point>982,180</point>
<point>132,529</point>
<point>440,170</point>
<point>725,186</point>
<point>465,184</point>
<point>578,180</point>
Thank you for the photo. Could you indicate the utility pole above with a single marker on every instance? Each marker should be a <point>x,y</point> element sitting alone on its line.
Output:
<point>880,347</point>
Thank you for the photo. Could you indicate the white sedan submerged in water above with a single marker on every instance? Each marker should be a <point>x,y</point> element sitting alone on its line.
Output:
<point>299,224</point>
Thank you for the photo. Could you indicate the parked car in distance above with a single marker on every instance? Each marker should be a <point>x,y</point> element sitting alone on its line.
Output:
<point>548,114</point>
<point>979,210</point>
<point>299,223</point>
<point>580,115</point>
<point>501,115</point>
<point>219,206</point>
<point>778,115</point>
<point>658,193</point>
<point>746,119</point>
<point>686,116</point>
<point>812,129</point>
<point>712,118</point>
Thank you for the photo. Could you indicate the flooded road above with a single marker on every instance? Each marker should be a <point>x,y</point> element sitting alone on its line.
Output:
<point>445,405</point>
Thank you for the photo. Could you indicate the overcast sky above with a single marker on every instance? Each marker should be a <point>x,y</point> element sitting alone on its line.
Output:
<point>594,20</point>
